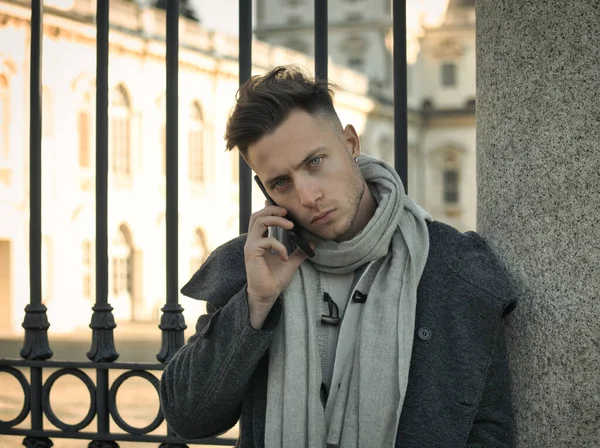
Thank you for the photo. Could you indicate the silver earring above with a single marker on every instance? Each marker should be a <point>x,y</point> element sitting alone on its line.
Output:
<point>356,159</point>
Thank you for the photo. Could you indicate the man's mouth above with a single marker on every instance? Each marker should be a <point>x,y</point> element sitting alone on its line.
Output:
<point>322,217</point>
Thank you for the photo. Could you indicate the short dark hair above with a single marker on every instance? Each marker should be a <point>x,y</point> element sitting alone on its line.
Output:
<point>264,102</point>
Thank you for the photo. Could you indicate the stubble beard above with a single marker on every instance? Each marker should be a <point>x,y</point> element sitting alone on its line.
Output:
<point>354,201</point>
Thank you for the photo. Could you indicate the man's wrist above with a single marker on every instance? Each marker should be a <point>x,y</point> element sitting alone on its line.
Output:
<point>258,311</point>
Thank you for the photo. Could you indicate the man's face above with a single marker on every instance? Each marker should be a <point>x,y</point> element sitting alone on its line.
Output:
<point>307,166</point>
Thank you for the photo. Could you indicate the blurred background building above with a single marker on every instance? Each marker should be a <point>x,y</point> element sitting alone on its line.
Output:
<point>441,92</point>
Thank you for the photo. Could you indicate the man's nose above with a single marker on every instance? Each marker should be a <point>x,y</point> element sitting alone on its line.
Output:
<point>308,192</point>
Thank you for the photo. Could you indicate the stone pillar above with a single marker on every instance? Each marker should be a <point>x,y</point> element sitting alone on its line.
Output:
<point>538,173</point>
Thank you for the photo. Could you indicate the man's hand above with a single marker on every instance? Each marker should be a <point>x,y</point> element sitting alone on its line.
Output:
<point>269,269</point>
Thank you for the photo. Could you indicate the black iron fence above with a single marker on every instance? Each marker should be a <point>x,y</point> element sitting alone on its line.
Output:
<point>36,351</point>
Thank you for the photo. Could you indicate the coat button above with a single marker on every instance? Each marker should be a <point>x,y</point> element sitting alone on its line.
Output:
<point>424,333</point>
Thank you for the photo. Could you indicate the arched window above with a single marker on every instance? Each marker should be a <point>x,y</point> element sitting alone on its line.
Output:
<point>163,148</point>
<point>195,144</point>
<point>199,252</point>
<point>47,271</point>
<point>297,45</point>
<point>4,113</point>
<point>47,112</point>
<point>120,132</point>
<point>448,74</point>
<point>356,49</point>
<point>122,264</point>
<point>85,132</point>
<point>87,264</point>
<point>4,130</point>
<point>451,179</point>
<point>386,148</point>
<point>161,103</point>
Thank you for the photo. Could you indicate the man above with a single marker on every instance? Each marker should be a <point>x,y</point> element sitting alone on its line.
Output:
<point>391,335</point>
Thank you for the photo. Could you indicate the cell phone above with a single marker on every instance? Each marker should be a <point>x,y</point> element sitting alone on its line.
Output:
<point>291,239</point>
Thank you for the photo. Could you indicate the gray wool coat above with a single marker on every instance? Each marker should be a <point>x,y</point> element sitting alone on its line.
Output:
<point>459,386</point>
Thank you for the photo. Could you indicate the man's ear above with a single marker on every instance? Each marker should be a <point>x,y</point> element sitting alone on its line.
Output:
<point>351,140</point>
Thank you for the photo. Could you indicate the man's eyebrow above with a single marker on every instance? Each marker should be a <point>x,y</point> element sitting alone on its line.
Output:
<point>311,155</point>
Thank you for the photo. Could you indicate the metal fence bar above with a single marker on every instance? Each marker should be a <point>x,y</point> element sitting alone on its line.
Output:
<point>321,39</point>
<point>102,411</point>
<point>35,322</point>
<point>172,322</point>
<point>245,71</point>
<point>102,321</point>
<point>60,364</point>
<point>400,92</point>
<point>167,441</point>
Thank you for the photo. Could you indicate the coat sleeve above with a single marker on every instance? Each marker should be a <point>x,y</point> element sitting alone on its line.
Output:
<point>493,426</point>
<point>202,387</point>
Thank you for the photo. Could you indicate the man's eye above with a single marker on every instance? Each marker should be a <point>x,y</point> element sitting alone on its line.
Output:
<point>280,183</point>
<point>316,161</point>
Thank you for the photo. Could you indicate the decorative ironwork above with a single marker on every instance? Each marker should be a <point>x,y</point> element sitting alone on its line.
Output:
<point>172,324</point>
<point>37,442</point>
<point>26,397</point>
<point>103,444</point>
<point>112,403</point>
<point>48,407</point>
<point>40,438</point>
<point>36,326</point>
<point>103,343</point>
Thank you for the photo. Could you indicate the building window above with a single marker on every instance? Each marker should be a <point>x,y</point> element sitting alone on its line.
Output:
<point>354,17</point>
<point>4,130</point>
<point>199,251</point>
<point>47,113</point>
<point>294,20</point>
<point>195,144</point>
<point>120,132</point>
<point>296,45</point>
<point>122,264</point>
<point>163,149</point>
<point>47,272</point>
<point>451,186</point>
<point>448,74</point>
<point>4,111</point>
<point>292,2</point>
<point>356,63</point>
<point>87,260</point>
<point>83,133</point>
<point>386,148</point>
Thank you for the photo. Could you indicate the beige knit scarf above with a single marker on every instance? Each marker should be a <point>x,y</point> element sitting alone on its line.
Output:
<point>365,409</point>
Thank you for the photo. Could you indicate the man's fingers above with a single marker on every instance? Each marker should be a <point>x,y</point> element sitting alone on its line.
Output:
<point>261,223</point>
<point>269,246</point>
<point>269,210</point>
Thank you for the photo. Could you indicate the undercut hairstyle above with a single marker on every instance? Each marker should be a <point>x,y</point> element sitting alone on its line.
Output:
<point>265,101</point>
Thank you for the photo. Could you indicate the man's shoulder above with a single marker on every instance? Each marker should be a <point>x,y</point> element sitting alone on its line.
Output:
<point>221,276</point>
<point>473,261</point>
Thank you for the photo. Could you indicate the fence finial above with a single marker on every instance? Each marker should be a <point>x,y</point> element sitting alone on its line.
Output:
<point>103,343</point>
<point>172,324</point>
<point>35,323</point>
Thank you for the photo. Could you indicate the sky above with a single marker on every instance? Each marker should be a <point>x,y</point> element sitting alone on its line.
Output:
<point>220,15</point>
